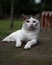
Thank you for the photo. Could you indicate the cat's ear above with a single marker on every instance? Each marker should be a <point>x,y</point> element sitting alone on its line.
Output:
<point>37,16</point>
<point>24,17</point>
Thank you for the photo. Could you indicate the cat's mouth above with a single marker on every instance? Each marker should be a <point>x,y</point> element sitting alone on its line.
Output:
<point>32,27</point>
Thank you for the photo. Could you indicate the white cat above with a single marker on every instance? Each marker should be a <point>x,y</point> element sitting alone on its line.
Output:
<point>28,33</point>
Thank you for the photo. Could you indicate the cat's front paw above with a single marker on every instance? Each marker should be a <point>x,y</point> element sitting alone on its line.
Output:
<point>27,47</point>
<point>18,45</point>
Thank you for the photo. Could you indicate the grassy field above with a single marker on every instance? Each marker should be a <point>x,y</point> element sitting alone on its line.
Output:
<point>5,26</point>
<point>40,54</point>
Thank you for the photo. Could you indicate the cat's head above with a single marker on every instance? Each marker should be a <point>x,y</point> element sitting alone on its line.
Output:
<point>30,23</point>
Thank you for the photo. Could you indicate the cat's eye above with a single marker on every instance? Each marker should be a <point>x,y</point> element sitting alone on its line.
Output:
<point>34,21</point>
<point>27,21</point>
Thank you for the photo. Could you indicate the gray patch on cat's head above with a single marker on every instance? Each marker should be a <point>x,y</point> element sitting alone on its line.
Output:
<point>31,23</point>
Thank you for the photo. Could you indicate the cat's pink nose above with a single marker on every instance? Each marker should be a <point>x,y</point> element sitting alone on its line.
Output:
<point>31,25</point>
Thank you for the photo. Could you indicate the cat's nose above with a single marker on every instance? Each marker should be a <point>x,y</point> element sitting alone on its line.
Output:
<point>31,25</point>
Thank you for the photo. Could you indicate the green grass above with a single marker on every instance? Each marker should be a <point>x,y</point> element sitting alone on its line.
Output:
<point>5,26</point>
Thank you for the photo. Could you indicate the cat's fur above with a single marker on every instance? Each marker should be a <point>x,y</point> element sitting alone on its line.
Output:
<point>28,33</point>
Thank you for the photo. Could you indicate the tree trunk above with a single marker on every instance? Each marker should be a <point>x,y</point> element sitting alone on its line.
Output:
<point>1,11</point>
<point>12,21</point>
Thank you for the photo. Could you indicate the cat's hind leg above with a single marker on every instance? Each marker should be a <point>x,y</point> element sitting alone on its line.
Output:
<point>8,38</point>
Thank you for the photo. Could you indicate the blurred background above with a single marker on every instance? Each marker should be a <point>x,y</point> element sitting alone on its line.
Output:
<point>23,6</point>
<point>11,11</point>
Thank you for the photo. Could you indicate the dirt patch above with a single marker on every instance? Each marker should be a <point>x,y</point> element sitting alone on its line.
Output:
<point>40,54</point>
